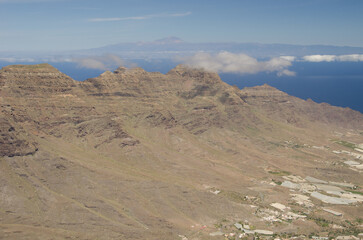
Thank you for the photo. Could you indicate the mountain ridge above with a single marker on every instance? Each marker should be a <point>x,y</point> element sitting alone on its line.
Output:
<point>168,49</point>
<point>188,84</point>
<point>134,155</point>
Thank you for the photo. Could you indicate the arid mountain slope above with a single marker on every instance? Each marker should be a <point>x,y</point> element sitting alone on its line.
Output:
<point>138,155</point>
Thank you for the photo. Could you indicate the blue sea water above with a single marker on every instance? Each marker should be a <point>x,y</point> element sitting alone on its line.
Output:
<point>337,83</point>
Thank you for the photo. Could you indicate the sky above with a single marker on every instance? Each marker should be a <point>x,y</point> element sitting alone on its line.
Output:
<point>59,25</point>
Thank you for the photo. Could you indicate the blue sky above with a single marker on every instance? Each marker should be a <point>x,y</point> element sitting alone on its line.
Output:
<point>79,24</point>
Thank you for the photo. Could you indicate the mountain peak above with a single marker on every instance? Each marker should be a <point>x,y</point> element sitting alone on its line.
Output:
<point>37,68</point>
<point>120,69</point>
<point>34,76</point>
<point>136,70</point>
<point>195,73</point>
<point>168,40</point>
<point>262,88</point>
<point>181,69</point>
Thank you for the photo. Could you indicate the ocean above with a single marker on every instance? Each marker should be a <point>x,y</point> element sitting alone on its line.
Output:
<point>336,83</point>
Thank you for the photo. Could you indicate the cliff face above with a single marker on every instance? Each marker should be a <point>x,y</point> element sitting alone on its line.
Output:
<point>42,78</point>
<point>132,153</point>
<point>22,87</point>
<point>13,139</point>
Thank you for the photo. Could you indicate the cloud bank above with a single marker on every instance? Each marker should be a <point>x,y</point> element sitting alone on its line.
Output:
<point>139,17</point>
<point>14,60</point>
<point>226,62</point>
<point>105,62</point>
<point>333,58</point>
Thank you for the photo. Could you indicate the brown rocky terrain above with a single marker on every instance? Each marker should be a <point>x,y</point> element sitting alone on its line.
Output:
<point>138,155</point>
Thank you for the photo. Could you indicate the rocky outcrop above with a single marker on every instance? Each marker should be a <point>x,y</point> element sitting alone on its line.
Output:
<point>30,79</point>
<point>14,141</point>
<point>264,94</point>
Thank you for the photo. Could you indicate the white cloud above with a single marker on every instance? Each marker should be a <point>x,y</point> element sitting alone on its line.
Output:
<point>139,17</point>
<point>14,60</point>
<point>350,58</point>
<point>226,62</point>
<point>286,72</point>
<point>288,58</point>
<point>8,59</point>
<point>105,62</point>
<point>116,19</point>
<point>332,58</point>
<point>319,58</point>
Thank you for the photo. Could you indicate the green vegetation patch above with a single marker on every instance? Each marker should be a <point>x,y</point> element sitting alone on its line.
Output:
<point>346,144</point>
<point>279,173</point>
<point>298,146</point>
<point>355,192</point>
<point>276,144</point>
<point>234,196</point>
<point>32,66</point>
<point>321,221</point>
<point>277,182</point>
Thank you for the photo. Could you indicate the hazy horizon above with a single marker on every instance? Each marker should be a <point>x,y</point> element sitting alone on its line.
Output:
<point>59,25</point>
